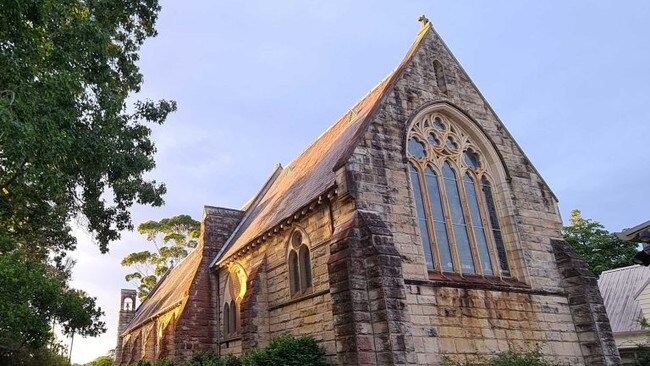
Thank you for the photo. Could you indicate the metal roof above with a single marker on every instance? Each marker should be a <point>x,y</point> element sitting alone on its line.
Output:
<point>620,289</point>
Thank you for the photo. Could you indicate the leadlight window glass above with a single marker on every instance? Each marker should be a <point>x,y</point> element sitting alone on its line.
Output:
<point>233,317</point>
<point>454,201</point>
<point>300,277</point>
<point>226,319</point>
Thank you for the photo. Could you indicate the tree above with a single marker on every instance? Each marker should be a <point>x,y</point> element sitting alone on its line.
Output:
<point>601,249</point>
<point>172,238</point>
<point>34,296</point>
<point>101,361</point>
<point>71,148</point>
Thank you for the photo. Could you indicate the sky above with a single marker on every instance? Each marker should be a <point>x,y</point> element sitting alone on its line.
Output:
<point>257,81</point>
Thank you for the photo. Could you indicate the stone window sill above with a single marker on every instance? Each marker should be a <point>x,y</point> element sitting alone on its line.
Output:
<point>454,280</point>
<point>231,338</point>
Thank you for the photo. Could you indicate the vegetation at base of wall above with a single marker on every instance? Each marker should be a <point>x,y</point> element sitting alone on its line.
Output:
<point>509,358</point>
<point>101,361</point>
<point>285,350</point>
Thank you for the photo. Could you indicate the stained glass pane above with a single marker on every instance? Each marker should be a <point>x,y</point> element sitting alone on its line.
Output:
<point>433,139</point>
<point>296,239</point>
<point>305,268</point>
<point>458,220</point>
<point>422,221</point>
<point>226,319</point>
<point>496,228</point>
<point>416,148</point>
<point>477,225</point>
<point>451,144</point>
<point>233,317</point>
<point>471,159</point>
<point>437,124</point>
<point>439,220</point>
<point>294,276</point>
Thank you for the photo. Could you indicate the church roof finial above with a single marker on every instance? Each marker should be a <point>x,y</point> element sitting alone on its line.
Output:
<point>424,20</point>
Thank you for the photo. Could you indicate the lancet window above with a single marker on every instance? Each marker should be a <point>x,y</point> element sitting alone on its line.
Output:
<point>454,199</point>
<point>300,280</point>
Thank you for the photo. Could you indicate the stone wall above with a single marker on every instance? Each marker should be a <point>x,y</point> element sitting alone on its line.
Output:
<point>276,310</point>
<point>586,304</point>
<point>196,329</point>
<point>461,317</point>
<point>367,289</point>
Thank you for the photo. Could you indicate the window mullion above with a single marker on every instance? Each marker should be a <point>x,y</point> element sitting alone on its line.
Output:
<point>469,224</point>
<point>450,228</point>
<point>488,229</point>
<point>299,272</point>
<point>433,240</point>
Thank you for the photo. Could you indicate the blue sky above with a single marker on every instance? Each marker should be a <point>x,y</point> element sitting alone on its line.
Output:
<point>257,81</point>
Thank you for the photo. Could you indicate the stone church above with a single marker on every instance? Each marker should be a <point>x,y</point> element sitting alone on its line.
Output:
<point>413,230</point>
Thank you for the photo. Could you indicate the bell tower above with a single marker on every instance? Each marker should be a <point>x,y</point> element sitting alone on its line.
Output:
<point>127,311</point>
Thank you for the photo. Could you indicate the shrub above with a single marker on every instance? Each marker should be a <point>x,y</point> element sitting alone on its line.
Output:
<point>509,358</point>
<point>211,359</point>
<point>164,362</point>
<point>287,351</point>
<point>142,363</point>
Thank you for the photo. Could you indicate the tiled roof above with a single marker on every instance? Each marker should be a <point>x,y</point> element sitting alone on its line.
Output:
<point>620,289</point>
<point>312,172</point>
<point>170,291</point>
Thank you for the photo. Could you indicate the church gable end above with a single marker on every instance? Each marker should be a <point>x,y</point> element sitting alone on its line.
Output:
<point>470,217</point>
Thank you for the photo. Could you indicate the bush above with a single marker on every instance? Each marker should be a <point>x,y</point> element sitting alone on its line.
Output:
<point>142,363</point>
<point>509,358</point>
<point>164,362</point>
<point>287,351</point>
<point>211,359</point>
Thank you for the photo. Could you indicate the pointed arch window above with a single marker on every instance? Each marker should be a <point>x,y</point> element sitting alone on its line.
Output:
<point>226,319</point>
<point>455,207</point>
<point>300,277</point>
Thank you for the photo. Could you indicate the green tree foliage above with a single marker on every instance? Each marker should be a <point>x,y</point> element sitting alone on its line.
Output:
<point>172,238</point>
<point>601,249</point>
<point>34,295</point>
<point>509,358</point>
<point>71,149</point>
<point>101,361</point>
<point>70,146</point>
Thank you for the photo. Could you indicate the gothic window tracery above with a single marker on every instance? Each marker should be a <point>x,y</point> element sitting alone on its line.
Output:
<point>235,289</point>
<point>455,205</point>
<point>299,261</point>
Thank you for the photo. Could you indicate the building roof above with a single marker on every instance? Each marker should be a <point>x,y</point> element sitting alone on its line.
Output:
<point>639,233</point>
<point>312,173</point>
<point>620,289</point>
<point>170,291</point>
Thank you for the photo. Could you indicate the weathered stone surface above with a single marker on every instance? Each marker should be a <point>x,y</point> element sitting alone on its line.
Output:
<point>372,299</point>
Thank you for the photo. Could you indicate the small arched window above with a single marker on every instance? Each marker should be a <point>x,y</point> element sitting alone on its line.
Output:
<point>455,206</point>
<point>300,279</point>
<point>128,304</point>
<point>226,319</point>
<point>233,317</point>
<point>440,76</point>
